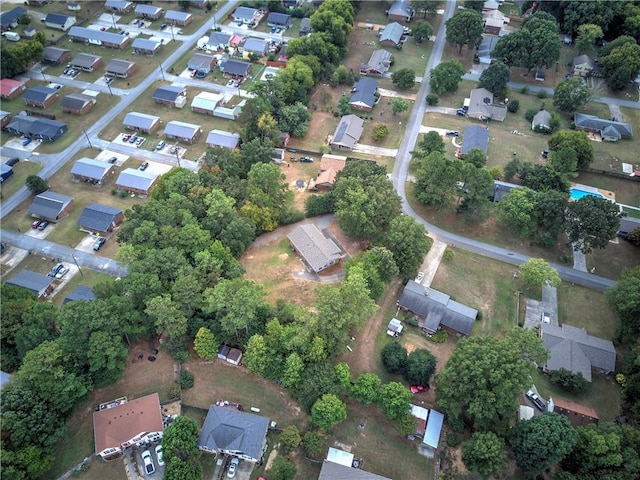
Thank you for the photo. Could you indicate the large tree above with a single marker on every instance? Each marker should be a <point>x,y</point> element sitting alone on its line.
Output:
<point>579,141</point>
<point>404,78</point>
<point>436,178</point>
<point>446,76</point>
<point>328,411</point>
<point>422,31</point>
<point>495,78</point>
<point>407,240</point>
<point>294,119</point>
<point>420,366</point>
<point>587,36</point>
<point>36,185</point>
<point>571,95</point>
<point>428,143</point>
<point>535,272</point>
<point>180,442</point>
<point>592,222</point>
<point>518,211</point>
<point>394,400</point>
<point>624,297</point>
<point>484,453</point>
<point>465,28</point>
<point>394,357</point>
<point>366,389</point>
<point>621,66</point>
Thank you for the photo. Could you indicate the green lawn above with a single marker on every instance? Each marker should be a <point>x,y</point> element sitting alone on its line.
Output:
<point>21,171</point>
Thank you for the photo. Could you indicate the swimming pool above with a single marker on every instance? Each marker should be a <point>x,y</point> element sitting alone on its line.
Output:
<point>577,194</point>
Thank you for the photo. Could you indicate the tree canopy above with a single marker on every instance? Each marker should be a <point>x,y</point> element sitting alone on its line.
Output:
<point>465,28</point>
<point>624,297</point>
<point>495,78</point>
<point>571,95</point>
<point>484,453</point>
<point>535,272</point>
<point>446,76</point>
<point>591,222</point>
<point>328,411</point>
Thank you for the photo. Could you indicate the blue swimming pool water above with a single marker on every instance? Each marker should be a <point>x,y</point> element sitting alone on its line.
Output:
<point>577,194</point>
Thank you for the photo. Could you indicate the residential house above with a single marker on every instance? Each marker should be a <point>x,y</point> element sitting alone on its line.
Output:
<point>119,6</point>
<point>291,3</point>
<point>29,32</point>
<point>39,96</point>
<point>541,120</point>
<point>59,21</point>
<point>348,133</point>
<point>432,433</point>
<point>496,15</point>
<point>148,11</point>
<point>245,15</point>
<point>584,66</point>
<point>5,118</point>
<point>578,415</point>
<point>609,130</point>
<point>82,293</point>
<point>218,40</point>
<point>222,139</point>
<point>135,181</point>
<point>256,46</point>
<point>627,225</point>
<point>38,3</point>
<point>35,127</point>
<point>236,69</point>
<point>74,6</point>
<point>141,122</point>
<point>55,55</point>
<point>335,471</point>
<point>501,189</point>
<point>481,106</point>
<point>485,49</point>
<point>436,310</point>
<point>317,251</point>
<point>51,206</point>
<point>199,3</point>
<point>573,349</point>
<point>492,5</point>
<point>9,19</point>
<point>77,103</point>
<point>99,37</point>
<point>39,284</point>
<point>10,88</point>
<point>378,64</point>
<point>91,170</point>
<point>144,46</point>
<point>236,39</point>
<point>492,26</point>
<point>181,131</point>
<point>206,102</point>
<point>363,96</point>
<point>392,35</point>
<point>474,136</point>
<point>228,431</point>
<point>330,165</point>
<point>134,422</point>
<point>420,414</point>
<point>276,19</point>
<point>86,62</point>
<point>202,62</point>
<point>119,68</point>
<point>5,172</point>
<point>98,218</point>
<point>400,11</point>
<point>171,95</point>
<point>174,17</point>
<point>305,26</point>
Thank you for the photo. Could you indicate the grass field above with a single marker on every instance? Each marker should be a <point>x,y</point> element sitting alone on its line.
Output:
<point>21,171</point>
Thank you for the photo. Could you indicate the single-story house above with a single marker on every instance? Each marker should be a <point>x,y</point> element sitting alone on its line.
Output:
<point>222,139</point>
<point>492,5</point>
<point>436,309</point>
<point>39,96</point>
<point>181,131</point>
<point>400,11</point>
<point>228,431</point>
<point>10,88</point>
<point>501,189</point>
<point>609,130</point>
<point>578,415</point>
<point>244,14</point>
<point>573,349</point>
<point>378,64</point>
<point>145,46</point>
<point>120,6</point>
<point>627,225</point>
<point>82,293</point>
<point>148,11</point>
<point>305,26</point>
<point>485,50</point>
<point>276,19</point>
<point>98,218</point>
<point>202,62</point>
<point>9,19</point>
<point>77,103</point>
<point>119,68</point>
<point>391,35</point>
<point>5,118</point>
<point>178,18</point>
<point>474,136</point>
<point>363,96</point>
<point>86,62</point>
<point>59,21</point>
<point>236,68</point>
<point>492,26</point>
<point>432,433</point>
<point>51,206</point>
<point>330,165</point>
<point>36,127</point>
<point>171,95</point>
<point>481,106</point>
<point>420,414</point>
<point>130,423</point>
<point>55,55</point>
<point>234,356</point>
<point>395,327</point>
<point>136,181</point>
<point>348,132</point>
<point>5,172</point>
<point>91,170</point>
<point>334,471</point>
<point>38,3</point>
<point>542,119</point>
<point>219,40</point>
<point>141,122</point>
<point>99,37</point>
<point>39,284</point>
<point>317,251</point>
<point>199,3</point>
<point>584,66</point>
<point>254,45</point>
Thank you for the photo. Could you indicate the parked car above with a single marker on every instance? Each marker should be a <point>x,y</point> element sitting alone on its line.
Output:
<point>44,224</point>
<point>98,243</point>
<point>126,137</point>
<point>233,467</point>
<point>461,112</point>
<point>537,401</point>
<point>163,26</point>
<point>160,455</point>
<point>113,160</point>
<point>419,388</point>
<point>12,161</point>
<point>452,133</point>
<point>200,74</point>
<point>26,142</point>
<point>148,462</point>
<point>58,271</point>
<point>306,159</point>
<point>419,277</point>
<point>143,166</point>
<point>160,145</point>
<point>174,149</point>
<point>133,138</point>
<point>139,141</point>
<point>36,223</point>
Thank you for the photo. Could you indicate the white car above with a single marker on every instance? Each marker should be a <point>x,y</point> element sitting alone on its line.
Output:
<point>233,467</point>
<point>419,277</point>
<point>159,455</point>
<point>148,462</point>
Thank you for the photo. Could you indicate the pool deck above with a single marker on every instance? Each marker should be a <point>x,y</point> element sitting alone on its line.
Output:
<point>609,195</point>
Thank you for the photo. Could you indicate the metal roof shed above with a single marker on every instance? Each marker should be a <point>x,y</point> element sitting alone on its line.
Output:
<point>434,428</point>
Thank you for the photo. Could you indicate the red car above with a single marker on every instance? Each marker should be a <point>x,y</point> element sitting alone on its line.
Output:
<point>36,224</point>
<point>419,388</point>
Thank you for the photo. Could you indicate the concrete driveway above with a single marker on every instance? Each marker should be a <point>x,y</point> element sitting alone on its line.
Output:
<point>372,149</point>
<point>159,473</point>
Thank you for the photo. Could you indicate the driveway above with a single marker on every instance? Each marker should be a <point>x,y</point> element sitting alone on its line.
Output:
<point>373,150</point>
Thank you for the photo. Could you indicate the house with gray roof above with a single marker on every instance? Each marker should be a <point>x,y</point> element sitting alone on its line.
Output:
<point>228,431</point>
<point>218,40</point>
<point>141,122</point>
<point>363,96</point>
<point>40,285</point>
<point>474,136</point>
<point>136,181</point>
<point>627,225</point>
<point>91,170</point>
<point>481,106</point>
<point>171,95</point>
<point>541,120</point>
<point>305,26</point>
<point>77,103</point>
<point>276,19</point>
<point>584,66</point>
<point>35,127</point>
<point>432,433</point>
<point>573,349</point>
<point>119,68</point>
<point>391,35</point>
<point>120,6</point>
<point>347,133</point>
<point>175,17</point>
<point>146,46</point>
<point>206,102</point>
<point>86,62</point>
<point>244,14</point>
<point>378,64</point>
<point>609,130</point>
<point>98,37</point>
<point>55,55</point>
<point>59,21</point>
<point>202,62</point>
<point>181,131</point>
<point>222,139</point>
<point>334,471</point>
<point>40,96</point>
<point>148,11</point>
<point>436,309</point>
<point>501,189</point>
<point>236,68</point>
<point>485,49</point>
<point>82,293</point>
<point>317,251</point>
<point>100,218</point>
<point>400,11</point>
<point>9,19</point>
<point>51,206</point>
<point>254,45</point>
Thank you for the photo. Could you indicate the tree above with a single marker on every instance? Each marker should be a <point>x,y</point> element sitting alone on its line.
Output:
<point>426,7</point>
<point>343,374</point>
<point>624,297</point>
<point>476,5</point>
<point>432,99</point>
<point>422,31</point>
<point>535,272</point>
<point>446,76</point>
<point>592,222</point>
<point>292,370</point>
<point>476,157</point>
<point>180,441</point>
<point>394,400</point>
<point>380,131</point>
<point>399,105</point>
<point>579,141</point>
<point>430,142</point>
<point>634,236</point>
<point>295,81</point>
<point>312,443</point>
<point>394,357</point>
<point>404,78</point>
<point>517,210</point>
<point>205,344</point>
<point>484,453</point>
<point>283,469</point>
<point>366,389</point>
<point>465,28</point>
<point>294,119</point>
<point>255,355</point>
<point>495,78</point>
<point>420,366</point>
<point>478,186</point>
<point>571,95</point>
<point>436,178</point>
<point>35,184</point>
<point>184,5</point>
<point>551,206</point>
<point>621,66</point>
<point>569,381</point>
<point>328,411</point>
<point>407,240</point>
<point>180,469</point>
<point>564,162</point>
<point>290,438</point>
<point>587,36</point>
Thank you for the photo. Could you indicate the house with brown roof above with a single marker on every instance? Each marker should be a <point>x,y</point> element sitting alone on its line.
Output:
<point>348,133</point>
<point>578,415</point>
<point>10,88</point>
<point>77,103</point>
<point>317,251</point>
<point>330,165</point>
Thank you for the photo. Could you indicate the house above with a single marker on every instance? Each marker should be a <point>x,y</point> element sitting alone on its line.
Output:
<point>40,285</point>
<point>395,327</point>
<point>391,35</point>
<point>5,172</point>
<point>363,96</point>
<point>245,15</point>
<point>496,15</point>
<point>202,62</point>
<point>573,349</point>
<point>99,37</point>
<point>400,11</point>
<point>35,127</point>
<point>119,68</point>
<point>236,39</point>
<point>420,414</point>
<point>74,6</point>
<point>481,106</point>
<point>378,64</point>
<point>348,133</point>
<point>276,19</point>
<point>437,310</point>
<point>171,95</point>
<point>317,251</point>
<point>627,225</point>
<point>55,55</point>
<point>335,471</point>
<point>39,96</point>
<point>5,118</point>
<point>485,49</point>
<point>148,11</point>
<point>120,6</point>
<point>129,423</point>
<point>229,431</point>
<point>82,293</point>
<point>432,433</point>
<point>236,68</point>
<point>51,206</point>
<point>256,46</point>
<point>234,356</point>
<point>578,415</point>
<point>474,136</point>
<point>77,103</point>
<point>609,130</point>
<point>98,218</point>
<point>135,181</point>
<point>501,189</point>
<point>141,122</point>
<point>10,88</point>
<point>222,139</point>
<point>305,26</point>
<point>199,3</point>
<point>144,46</point>
<point>174,17</point>
<point>583,66</point>
<point>492,5</point>
<point>181,131</point>
<point>541,120</point>
<point>59,21</point>
<point>86,62</point>
<point>9,19</point>
<point>330,165</point>
<point>91,170</point>
<point>218,40</point>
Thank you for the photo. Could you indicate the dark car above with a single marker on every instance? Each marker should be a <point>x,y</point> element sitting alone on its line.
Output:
<point>452,133</point>
<point>537,401</point>
<point>12,161</point>
<point>133,138</point>
<point>163,26</point>
<point>98,243</point>
<point>113,160</point>
<point>143,166</point>
<point>461,112</point>
<point>306,159</point>
<point>43,225</point>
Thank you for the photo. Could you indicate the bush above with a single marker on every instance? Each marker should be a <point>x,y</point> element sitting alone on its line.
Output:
<point>312,443</point>
<point>529,114</point>
<point>524,90</point>
<point>394,357</point>
<point>290,438</point>
<point>412,321</point>
<point>453,440</point>
<point>290,216</point>
<point>541,94</point>
<point>568,381</point>
<point>380,131</point>
<point>513,106</point>
<point>122,194</point>
<point>448,254</point>
<point>440,336</point>
<point>319,204</point>
<point>496,172</point>
<point>432,99</point>
<point>114,191</point>
<point>174,391</point>
<point>186,379</point>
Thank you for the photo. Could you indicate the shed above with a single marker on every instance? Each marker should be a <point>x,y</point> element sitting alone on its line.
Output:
<point>223,351</point>
<point>234,356</point>
<point>420,414</point>
<point>98,218</point>
<point>305,26</point>
<point>136,181</point>
<point>316,250</point>
<point>525,412</point>
<point>141,122</point>
<point>182,131</point>
<point>82,293</point>
<point>86,62</point>
<point>145,46</point>
<point>91,170</point>
<point>40,285</point>
<point>222,139</point>
<point>51,206</point>
<point>119,68</point>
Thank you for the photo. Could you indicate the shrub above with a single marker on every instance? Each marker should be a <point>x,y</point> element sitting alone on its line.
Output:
<point>541,94</point>
<point>186,379</point>
<point>568,381</point>
<point>412,321</point>
<point>496,172</point>
<point>318,204</point>
<point>529,114</point>
<point>448,254</point>
<point>513,106</point>
<point>524,90</point>
<point>174,391</point>
<point>290,438</point>
<point>394,357</point>
<point>122,194</point>
<point>380,131</point>
<point>432,99</point>
<point>290,216</point>
<point>114,191</point>
<point>440,336</point>
<point>312,443</point>
<point>453,440</point>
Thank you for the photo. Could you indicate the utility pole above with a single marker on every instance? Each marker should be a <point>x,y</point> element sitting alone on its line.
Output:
<point>88,140</point>
<point>162,73</point>
<point>74,257</point>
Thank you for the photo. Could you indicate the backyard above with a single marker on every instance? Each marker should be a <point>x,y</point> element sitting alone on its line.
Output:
<point>21,171</point>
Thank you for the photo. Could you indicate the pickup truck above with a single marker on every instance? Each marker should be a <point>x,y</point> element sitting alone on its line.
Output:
<point>537,401</point>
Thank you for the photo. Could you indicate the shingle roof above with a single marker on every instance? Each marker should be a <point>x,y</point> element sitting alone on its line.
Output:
<point>75,101</point>
<point>117,4</point>
<point>36,282</point>
<point>501,189</point>
<point>400,7</point>
<point>168,92</point>
<point>181,129</point>
<point>255,45</point>
<point>541,118</point>
<point>348,131</point>
<point>334,471</point>
<point>279,18</point>
<point>90,34</point>
<point>392,32</point>
<point>56,18</point>
<point>81,293</point>
<point>9,85</point>
<point>591,122</point>
<point>118,66</point>
<point>53,54</point>
<point>582,59</point>
<point>379,60</point>
<point>143,9</point>
<point>628,224</point>
<point>235,67</point>
<point>173,15</point>
<point>91,168</point>
<point>364,92</point>
<point>36,126</point>
<point>11,16</point>
<point>98,217</point>
<point>244,13</point>
<point>38,93</point>
<point>85,60</point>
<point>140,120</point>
<point>481,103</point>
<point>201,60</point>
<point>139,180</point>
<point>206,100</point>
<point>314,247</point>
<point>220,138</point>
<point>145,44</point>
<point>219,38</point>
<point>49,205</point>
<point>487,45</point>
<point>305,25</point>
<point>475,136</point>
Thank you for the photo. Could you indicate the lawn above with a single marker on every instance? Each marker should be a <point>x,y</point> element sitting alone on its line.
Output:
<point>586,308</point>
<point>88,277</point>
<point>21,171</point>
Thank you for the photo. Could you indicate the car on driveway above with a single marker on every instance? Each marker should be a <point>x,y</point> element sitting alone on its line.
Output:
<point>159,455</point>
<point>419,277</point>
<point>233,467</point>
<point>44,224</point>
<point>452,133</point>
<point>26,142</point>
<point>536,400</point>
<point>113,160</point>
<point>148,462</point>
<point>419,388</point>
<point>306,159</point>
<point>58,271</point>
<point>133,138</point>
<point>461,112</point>
<point>160,145</point>
<point>98,243</point>
<point>143,166</point>
<point>36,223</point>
